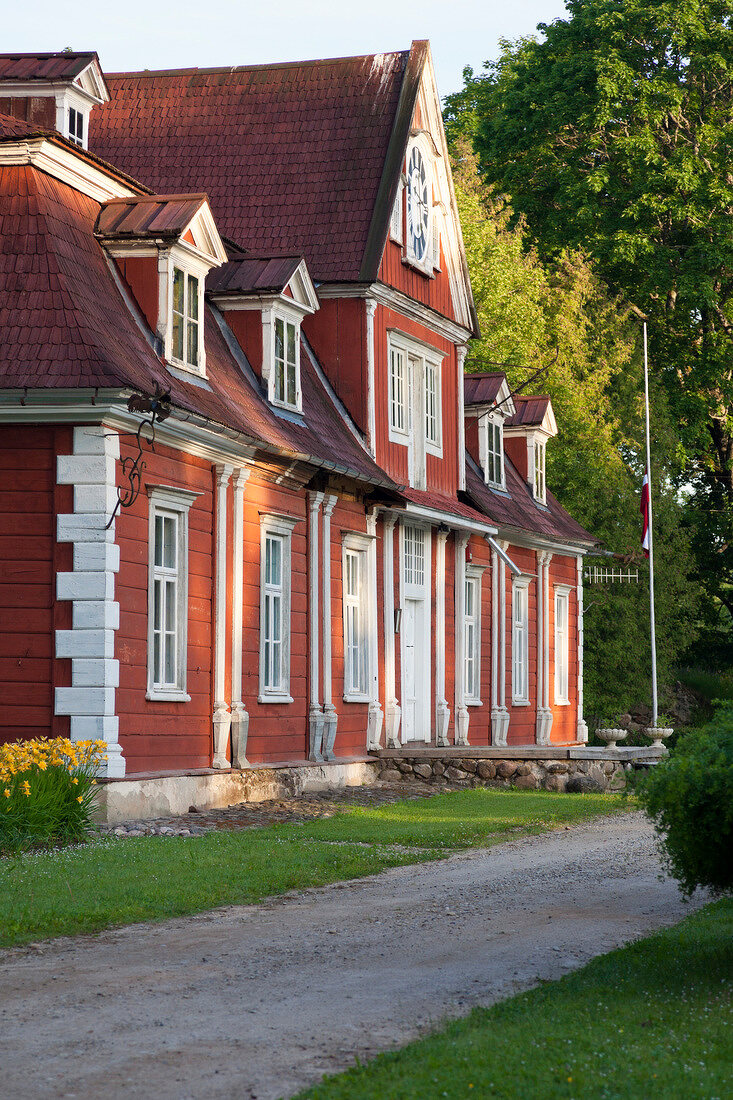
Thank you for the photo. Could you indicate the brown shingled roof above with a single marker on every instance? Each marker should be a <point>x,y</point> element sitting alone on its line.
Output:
<point>253,274</point>
<point>64,65</point>
<point>292,156</point>
<point>11,127</point>
<point>482,388</point>
<point>147,216</point>
<point>528,411</point>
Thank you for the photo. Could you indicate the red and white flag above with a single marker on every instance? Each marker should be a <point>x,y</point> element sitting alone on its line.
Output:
<point>644,509</point>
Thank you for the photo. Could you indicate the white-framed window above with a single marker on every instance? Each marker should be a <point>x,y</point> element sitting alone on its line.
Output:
<point>275,581</point>
<point>539,470</point>
<point>75,126</point>
<point>562,647</point>
<point>398,391</point>
<point>355,577</point>
<point>186,319</point>
<point>286,380</point>
<point>520,640</point>
<point>168,592</point>
<point>395,223</point>
<point>472,636</point>
<point>495,451</point>
<point>414,556</point>
<point>433,417</point>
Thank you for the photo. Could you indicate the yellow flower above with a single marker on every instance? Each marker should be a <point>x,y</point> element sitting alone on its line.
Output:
<point>7,793</point>
<point>80,798</point>
<point>75,781</point>
<point>27,788</point>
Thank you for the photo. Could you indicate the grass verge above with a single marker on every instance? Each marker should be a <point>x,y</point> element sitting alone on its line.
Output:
<point>650,1020</point>
<point>113,882</point>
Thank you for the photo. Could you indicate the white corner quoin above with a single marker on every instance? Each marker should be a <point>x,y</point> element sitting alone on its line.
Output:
<point>90,701</point>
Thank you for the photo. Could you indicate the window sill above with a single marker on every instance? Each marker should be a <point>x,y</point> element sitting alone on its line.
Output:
<point>354,698</point>
<point>163,696</point>
<point>520,702</point>
<point>281,698</point>
<point>473,703</point>
<point>297,408</point>
<point>562,702</point>
<point>187,373</point>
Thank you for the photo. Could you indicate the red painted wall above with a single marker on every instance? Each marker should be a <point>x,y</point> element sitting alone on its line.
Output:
<point>246,324</point>
<point>353,718</point>
<point>161,736</point>
<point>337,334</point>
<point>141,276</point>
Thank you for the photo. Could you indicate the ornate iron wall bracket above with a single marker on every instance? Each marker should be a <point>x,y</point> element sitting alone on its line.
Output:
<point>133,467</point>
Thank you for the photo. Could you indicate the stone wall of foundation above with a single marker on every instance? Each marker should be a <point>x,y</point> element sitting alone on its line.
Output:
<point>546,774</point>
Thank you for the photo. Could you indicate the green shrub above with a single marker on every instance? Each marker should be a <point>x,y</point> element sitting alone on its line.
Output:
<point>689,797</point>
<point>47,792</point>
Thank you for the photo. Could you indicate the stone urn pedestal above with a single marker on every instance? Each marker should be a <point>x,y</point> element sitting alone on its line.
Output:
<point>658,735</point>
<point>611,736</point>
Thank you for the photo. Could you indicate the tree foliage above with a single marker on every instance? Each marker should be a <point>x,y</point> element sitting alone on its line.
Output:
<point>614,134</point>
<point>560,315</point>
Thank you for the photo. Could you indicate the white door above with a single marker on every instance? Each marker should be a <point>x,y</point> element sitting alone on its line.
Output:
<point>415,633</point>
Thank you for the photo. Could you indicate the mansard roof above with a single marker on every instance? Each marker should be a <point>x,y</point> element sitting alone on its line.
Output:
<point>291,156</point>
<point>515,508</point>
<point>66,325</point>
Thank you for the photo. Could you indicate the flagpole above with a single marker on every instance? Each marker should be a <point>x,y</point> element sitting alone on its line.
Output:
<point>651,538</point>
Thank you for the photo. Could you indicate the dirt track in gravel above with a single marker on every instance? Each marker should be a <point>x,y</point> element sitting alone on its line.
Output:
<point>259,1001</point>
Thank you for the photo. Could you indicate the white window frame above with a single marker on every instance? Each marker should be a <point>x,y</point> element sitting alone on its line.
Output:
<point>73,123</point>
<point>493,425</point>
<point>169,502</point>
<point>396,220</point>
<point>360,604</point>
<point>183,258</point>
<point>473,575</point>
<point>538,469</point>
<point>182,361</point>
<point>286,316</point>
<point>281,528</point>
<point>520,642</point>
<point>562,646</point>
<point>416,361</point>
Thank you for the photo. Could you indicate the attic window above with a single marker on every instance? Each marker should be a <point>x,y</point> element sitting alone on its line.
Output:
<point>539,471</point>
<point>494,451</point>
<point>186,320</point>
<point>76,126</point>
<point>285,374</point>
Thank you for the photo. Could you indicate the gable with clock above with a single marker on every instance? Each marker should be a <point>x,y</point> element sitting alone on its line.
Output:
<point>418,208</point>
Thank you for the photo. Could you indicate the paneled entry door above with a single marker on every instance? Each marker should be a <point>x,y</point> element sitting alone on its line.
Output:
<point>415,649</point>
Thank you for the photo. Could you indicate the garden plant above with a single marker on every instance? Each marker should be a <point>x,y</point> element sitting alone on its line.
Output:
<point>47,791</point>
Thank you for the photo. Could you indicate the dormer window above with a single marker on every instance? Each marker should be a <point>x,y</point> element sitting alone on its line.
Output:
<point>286,374</point>
<point>494,469</point>
<point>538,480</point>
<point>185,345</point>
<point>75,128</point>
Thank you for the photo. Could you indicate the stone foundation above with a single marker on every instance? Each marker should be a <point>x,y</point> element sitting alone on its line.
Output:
<point>537,774</point>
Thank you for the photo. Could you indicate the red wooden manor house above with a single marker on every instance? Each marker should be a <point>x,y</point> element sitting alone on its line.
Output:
<point>339,541</point>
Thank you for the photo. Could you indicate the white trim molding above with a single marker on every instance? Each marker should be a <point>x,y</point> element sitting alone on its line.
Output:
<point>582,732</point>
<point>474,573</point>
<point>330,715</point>
<point>315,711</point>
<point>461,351</point>
<point>272,524</point>
<point>221,718</point>
<point>499,712</point>
<point>561,593</point>
<point>392,706</point>
<point>90,701</point>
<point>371,309</point>
<point>462,715</point>
<point>442,710</point>
<point>376,714</point>
<point>69,166</point>
<point>240,715</point>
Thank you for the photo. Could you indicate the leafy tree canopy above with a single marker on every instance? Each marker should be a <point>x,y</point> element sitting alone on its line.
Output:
<point>614,134</point>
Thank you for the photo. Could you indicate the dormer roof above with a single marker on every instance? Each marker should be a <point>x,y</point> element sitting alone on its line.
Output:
<point>533,412</point>
<point>66,67</point>
<point>484,391</point>
<point>162,218</point>
<point>264,277</point>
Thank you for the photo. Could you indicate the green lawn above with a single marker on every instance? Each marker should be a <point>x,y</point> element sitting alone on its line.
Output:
<point>114,881</point>
<point>650,1020</point>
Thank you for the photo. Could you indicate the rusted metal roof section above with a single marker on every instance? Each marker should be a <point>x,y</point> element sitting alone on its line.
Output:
<point>482,388</point>
<point>291,156</point>
<point>44,66</point>
<point>11,127</point>
<point>253,275</point>
<point>147,216</point>
<point>530,411</point>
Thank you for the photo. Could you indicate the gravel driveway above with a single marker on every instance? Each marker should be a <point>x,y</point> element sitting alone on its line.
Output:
<point>259,1001</point>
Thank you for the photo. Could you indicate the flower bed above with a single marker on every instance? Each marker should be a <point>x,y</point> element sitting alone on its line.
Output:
<point>47,791</point>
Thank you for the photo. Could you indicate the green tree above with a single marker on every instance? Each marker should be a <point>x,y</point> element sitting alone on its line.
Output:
<point>614,134</point>
<point>560,315</point>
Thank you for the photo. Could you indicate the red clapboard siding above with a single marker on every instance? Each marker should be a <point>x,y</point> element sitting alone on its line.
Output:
<point>29,560</point>
<point>337,334</point>
<point>159,736</point>
<point>433,291</point>
<point>522,719</point>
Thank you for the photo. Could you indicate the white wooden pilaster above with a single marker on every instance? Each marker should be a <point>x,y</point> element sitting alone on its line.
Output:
<point>221,718</point>
<point>442,710</point>
<point>315,711</point>
<point>240,717</point>
<point>394,713</point>
<point>499,713</point>
<point>544,712</point>
<point>371,309</point>
<point>330,717</point>
<point>376,715</point>
<point>582,727</point>
<point>462,716</point>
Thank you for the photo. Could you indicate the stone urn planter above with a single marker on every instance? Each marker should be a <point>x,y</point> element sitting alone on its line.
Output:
<point>611,736</point>
<point>658,735</point>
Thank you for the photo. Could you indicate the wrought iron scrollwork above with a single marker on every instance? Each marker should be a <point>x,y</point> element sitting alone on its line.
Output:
<point>133,466</point>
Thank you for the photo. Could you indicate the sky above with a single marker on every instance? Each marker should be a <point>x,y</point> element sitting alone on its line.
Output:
<point>168,34</point>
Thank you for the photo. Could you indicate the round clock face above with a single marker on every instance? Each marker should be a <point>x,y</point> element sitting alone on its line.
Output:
<point>418,206</point>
